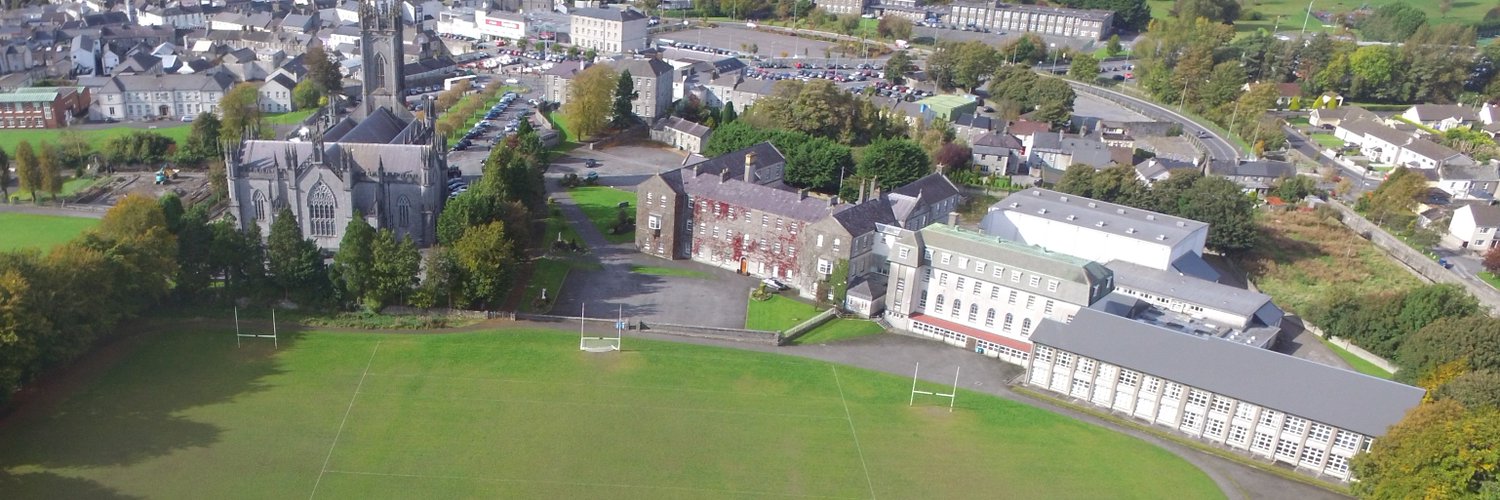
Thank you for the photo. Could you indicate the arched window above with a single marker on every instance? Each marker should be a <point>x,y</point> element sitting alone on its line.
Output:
<point>403,212</point>
<point>258,202</point>
<point>958,307</point>
<point>923,303</point>
<point>320,205</point>
<point>377,72</point>
<point>989,318</point>
<point>973,312</point>
<point>1026,326</point>
<point>1008,320</point>
<point>939,306</point>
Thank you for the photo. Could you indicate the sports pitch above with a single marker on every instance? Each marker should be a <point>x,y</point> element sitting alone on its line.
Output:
<point>524,414</point>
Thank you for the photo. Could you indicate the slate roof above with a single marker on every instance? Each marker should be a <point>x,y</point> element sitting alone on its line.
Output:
<point>379,128</point>
<point>1087,151</point>
<point>282,80</point>
<point>1187,288</point>
<point>924,191</point>
<point>619,15</point>
<point>1266,169</point>
<point>1434,151</point>
<point>644,67</point>
<point>682,125</point>
<point>867,288</point>
<point>1192,264</point>
<point>1026,127</point>
<point>1440,112</point>
<point>136,83</point>
<point>1485,215</point>
<point>1078,276</point>
<point>1317,392</point>
<point>862,218</point>
<point>1121,220</point>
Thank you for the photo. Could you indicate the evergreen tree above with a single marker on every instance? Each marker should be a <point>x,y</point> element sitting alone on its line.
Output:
<point>295,262</point>
<point>625,96</point>
<point>4,176</point>
<point>322,71</point>
<point>726,115</point>
<point>171,208</point>
<point>394,273</point>
<point>355,258</point>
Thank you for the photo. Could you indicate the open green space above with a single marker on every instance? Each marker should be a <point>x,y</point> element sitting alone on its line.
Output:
<point>777,313</point>
<point>1490,278</point>
<point>1359,364</point>
<point>1303,258</point>
<point>177,131</point>
<point>546,274</point>
<point>18,230</point>
<point>560,123</point>
<point>70,186</point>
<point>558,229</point>
<point>670,271</point>
<point>1292,13</point>
<point>839,329</point>
<point>601,205</point>
<point>1327,140</point>
<point>289,118</point>
<point>525,414</point>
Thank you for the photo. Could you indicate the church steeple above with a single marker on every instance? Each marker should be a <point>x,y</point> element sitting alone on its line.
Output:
<point>381,47</point>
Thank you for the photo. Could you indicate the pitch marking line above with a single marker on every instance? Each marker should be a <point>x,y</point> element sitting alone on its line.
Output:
<point>582,384</point>
<point>611,405</point>
<point>575,483</point>
<point>850,417</point>
<point>347,411</point>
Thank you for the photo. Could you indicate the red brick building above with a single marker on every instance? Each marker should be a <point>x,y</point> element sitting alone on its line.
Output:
<point>43,107</point>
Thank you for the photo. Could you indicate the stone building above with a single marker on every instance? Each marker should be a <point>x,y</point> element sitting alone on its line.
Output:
<point>609,30</point>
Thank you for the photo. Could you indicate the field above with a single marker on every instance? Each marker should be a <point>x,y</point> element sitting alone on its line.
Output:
<point>1327,141</point>
<point>1302,258</point>
<point>777,314</point>
<point>177,131</point>
<point>670,271</point>
<point>839,329</point>
<point>601,204</point>
<point>524,414</point>
<point>1293,12</point>
<point>19,230</point>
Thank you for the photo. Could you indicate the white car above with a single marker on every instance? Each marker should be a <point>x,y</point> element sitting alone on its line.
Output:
<point>774,284</point>
<point>511,81</point>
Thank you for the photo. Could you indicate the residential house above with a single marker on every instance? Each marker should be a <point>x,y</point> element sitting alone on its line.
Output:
<point>15,56</point>
<point>236,21</point>
<point>184,16</point>
<point>1475,227</point>
<point>1442,116</point>
<point>1333,117</point>
<point>1387,145</point>
<point>1478,181</point>
<point>653,86</point>
<point>276,94</point>
<point>609,30</point>
<point>1154,170</point>
<point>998,153</point>
<point>1272,406</point>
<point>1257,176</point>
<point>681,134</point>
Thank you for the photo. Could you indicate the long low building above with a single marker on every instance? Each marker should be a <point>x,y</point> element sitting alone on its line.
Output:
<point>1270,405</point>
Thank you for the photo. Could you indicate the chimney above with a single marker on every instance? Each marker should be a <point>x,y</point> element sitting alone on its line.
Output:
<point>875,188</point>
<point>953,219</point>
<point>861,198</point>
<point>723,176</point>
<point>750,167</point>
<point>833,200</point>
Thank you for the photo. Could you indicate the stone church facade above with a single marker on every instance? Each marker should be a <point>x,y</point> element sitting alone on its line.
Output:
<point>379,161</point>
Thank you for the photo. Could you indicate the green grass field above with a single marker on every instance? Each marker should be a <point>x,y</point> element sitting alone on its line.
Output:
<point>1359,364</point>
<point>524,414</point>
<point>177,131</point>
<point>1294,12</point>
<point>670,271</point>
<point>601,204</point>
<point>19,230</point>
<point>1327,140</point>
<point>777,314</point>
<point>1490,278</point>
<point>546,273</point>
<point>838,329</point>
<point>289,118</point>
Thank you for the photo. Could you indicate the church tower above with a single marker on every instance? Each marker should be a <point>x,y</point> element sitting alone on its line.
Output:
<point>380,45</point>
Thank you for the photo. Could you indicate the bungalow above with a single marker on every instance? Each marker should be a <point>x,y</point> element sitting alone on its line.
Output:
<point>1154,170</point>
<point>1469,182</point>
<point>1255,176</point>
<point>1334,117</point>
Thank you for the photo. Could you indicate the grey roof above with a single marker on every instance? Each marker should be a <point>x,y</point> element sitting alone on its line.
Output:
<point>1433,150</point>
<point>281,80</point>
<point>1126,221</point>
<point>1344,113</point>
<point>1270,169</point>
<point>1325,394</point>
<point>1081,281</point>
<point>862,218</point>
<point>1088,151</point>
<point>1192,264</point>
<point>934,186</point>
<point>1472,172</point>
<point>1485,215</point>
<point>684,126</point>
<point>997,140</point>
<point>1439,112</point>
<point>867,288</point>
<point>620,15</point>
<point>1188,289</point>
<point>135,83</point>
<point>379,128</point>
<point>974,121</point>
<point>644,67</point>
<point>722,178</point>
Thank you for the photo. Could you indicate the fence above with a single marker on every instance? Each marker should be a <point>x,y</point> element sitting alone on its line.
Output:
<point>806,326</point>
<point>1419,263</point>
<point>709,332</point>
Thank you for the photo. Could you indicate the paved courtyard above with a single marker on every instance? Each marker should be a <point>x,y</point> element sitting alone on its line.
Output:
<point>621,166</point>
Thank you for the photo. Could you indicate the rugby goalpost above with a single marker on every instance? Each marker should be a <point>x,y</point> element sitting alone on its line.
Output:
<point>596,343</point>
<point>238,334</point>
<point>952,395</point>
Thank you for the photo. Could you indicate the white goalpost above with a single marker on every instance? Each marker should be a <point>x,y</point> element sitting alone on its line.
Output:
<point>275,342</point>
<point>597,343</point>
<point>952,395</point>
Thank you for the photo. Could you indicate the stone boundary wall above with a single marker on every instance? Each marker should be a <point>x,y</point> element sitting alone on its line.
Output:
<point>818,320</point>
<point>1422,265</point>
<point>738,335</point>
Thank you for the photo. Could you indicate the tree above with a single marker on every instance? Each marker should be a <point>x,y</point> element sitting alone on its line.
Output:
<point>1472,339</point>
<point>203,141</point>
<point>353,262</point>
<point>848,23</point>
<point>487,260</point>
<point>953,156</point>
<point>46,162</point>
<point>4,177</point>
<point>895,162</point>
<point>322,71</point>
<point>1438,451</point>
<point>443,281</point>
<point>975,61</point>
<point>1475,390</point>
<point>195,242</point>
<point>1054,101</point>
<point>589,100</point>
<point>28,172</point>
<point>241,110</point>
<point>1077,179</point>
<point>306,95</point>
<point>1220,11</point>
<point>1294,188</point>
<point>394,273</point>
<point>1371,69</point>
<point>622,112</point>
<point>295,262</point>
<point>894,27</point>
<point>1085,68</point>
<point>172,210</point>
<point>727,114</point>
<point>1395,199</point>
<point>1492,260</point>
<point>1113,48</point>
<point>819,165</point>
<point>1229,213</point>
<point>1392,22</point>
<point>897,66</point>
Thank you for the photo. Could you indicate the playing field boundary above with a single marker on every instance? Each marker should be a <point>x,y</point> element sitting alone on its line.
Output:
<point>344,421</point>
<point>580,384</point>
<point>581,483</point>
<point>607,405</point>
<point>850,418</point>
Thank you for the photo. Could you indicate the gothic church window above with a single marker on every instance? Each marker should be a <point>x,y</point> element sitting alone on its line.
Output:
<point>258,201</point>
<point>320,205</point>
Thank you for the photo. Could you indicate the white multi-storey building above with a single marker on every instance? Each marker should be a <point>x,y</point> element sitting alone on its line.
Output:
<point>609,30</point>
<point>1270,405</point>
<point>983,293</point>
<point>136,97</point>
<point>1100,231</point>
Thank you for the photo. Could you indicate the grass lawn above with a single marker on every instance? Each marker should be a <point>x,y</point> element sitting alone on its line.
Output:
<point>1490,278</point>
<point>289,118</point>
<point>1293,12</point>
<point>547,273</point>
<point>558,228</point>
<point>524,414</point>
<point>19,230</point>
<point>839,329</point>
<point>778,313</point>
<point>670,271</point>
<point>1327,140</point>
<point>177,131</point>
<point>560,123</point>
<point>1302,258</point>
<point>601,204</point>
<point>1359,364</point>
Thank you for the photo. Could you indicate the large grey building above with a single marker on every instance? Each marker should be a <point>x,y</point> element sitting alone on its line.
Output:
<point>137,97</point>
<point>998,16</point>
<point>380,163</point>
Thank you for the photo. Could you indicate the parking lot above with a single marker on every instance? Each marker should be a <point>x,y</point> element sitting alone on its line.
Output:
<point>624,165</point>
<point>737,37</point>
<point>470,160</point>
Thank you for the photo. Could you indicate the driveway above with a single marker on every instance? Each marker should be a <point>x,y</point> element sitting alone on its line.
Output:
<point>621,166</point>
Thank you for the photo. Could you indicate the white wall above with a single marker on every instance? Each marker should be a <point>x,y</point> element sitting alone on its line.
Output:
<point>1087,243</point>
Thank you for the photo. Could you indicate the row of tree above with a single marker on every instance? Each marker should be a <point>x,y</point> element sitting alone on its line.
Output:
<point>1189,194</point>
<point>37,169</point>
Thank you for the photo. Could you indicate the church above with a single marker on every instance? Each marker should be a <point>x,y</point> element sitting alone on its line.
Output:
<point>379,160</point>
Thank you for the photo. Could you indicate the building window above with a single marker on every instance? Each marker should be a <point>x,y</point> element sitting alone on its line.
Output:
<point>765,220</point>
<point>1237,434</point>
<point>1337,465</point>
<point>994,292</point>
<point>1012,300</point>
<point>320,207</point>
<point>947,257</point>
<point>1026,327</point>
<point>824,267</point>
<point>820,241</point>
<point>960,283</point>
<point>258,200</point>
<point>1294,426</point>
<point>942,279</point>
<point>1008,319</point>
<point>1129,378</point>
<point>1052,285</point>
<point>1064,359</point>
<point>1262,442</point>
<point>403,212</point>
<point>1319,432</point>
<point>1268,418</point>
<point>1035,280</point>
<point>1197,397</point>
<point>1030,302</point>
<point>938,307</point>
<point>979,267</point>
<point>958,306</point>
<point>1214,428</point>
<point>1347,440</point>
<point>1221,404</point>
<point>999,271</point>
<point>974,312</point>
<point>1047,308</point>
<point>927,254</point>
<point>905,252</point>
<point>989,318</point>
<point>1174,391</point>
<point>653,222</point>
<point>1015,276</point>
<point>922,303</point>
<point>978,287</point>
<point>1044,354</point>
<point>1287,448</point>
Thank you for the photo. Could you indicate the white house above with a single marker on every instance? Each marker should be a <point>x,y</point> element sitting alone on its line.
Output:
<point>1386,145</point>
<point>1475,227</point>
<point>1478,181</point>
<point>1442,116</point>
<point>276,94</point>
<point>608,29</point>
<point>1100,231</point>
<point>681,134</point>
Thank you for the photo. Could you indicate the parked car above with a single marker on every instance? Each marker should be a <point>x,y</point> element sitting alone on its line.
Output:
<point>591,163</point>
<point>774,284</point>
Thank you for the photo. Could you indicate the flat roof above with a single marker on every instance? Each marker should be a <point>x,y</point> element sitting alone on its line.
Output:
<point>1187,288</point>
<point>1333,396</point>
<point>1130,222</point>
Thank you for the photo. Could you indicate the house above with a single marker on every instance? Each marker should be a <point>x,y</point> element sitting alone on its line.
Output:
<point>1285,92</point>
<point>983,293</point>
<point>1153,170</point>
<point>1100,231</point>
<point>1257,176</point>
<point>1058,151</point>
<point>15,56</point>
<point>1475,227</point>
<point>653,86</point>
<point>1442,116</point>
<point>608,29</point>
<point>1325,117</point>
<point>681,134</point>
<point>1387,145</point>
<point>276,94</point>
<point>1267,404</point>
<point>968,126</point>
<point>997,153</point>
<point>1479,181</point>
<point>43,107</point>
